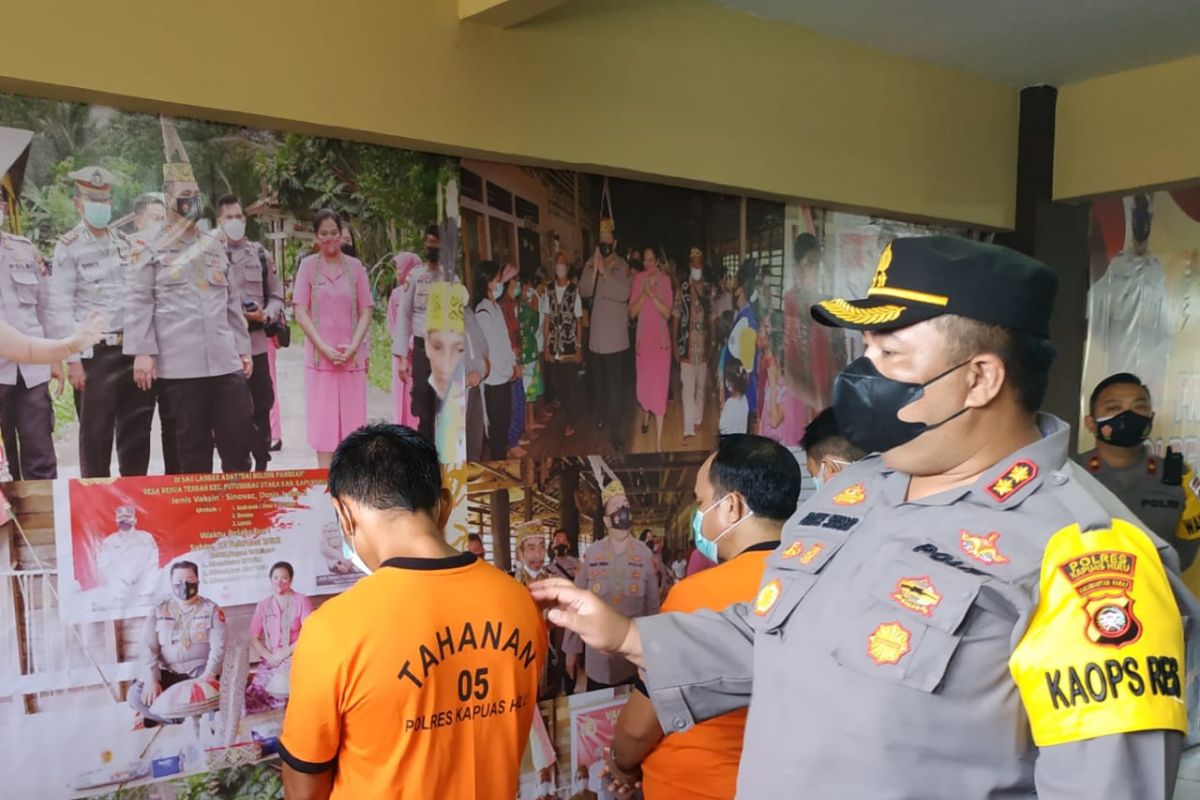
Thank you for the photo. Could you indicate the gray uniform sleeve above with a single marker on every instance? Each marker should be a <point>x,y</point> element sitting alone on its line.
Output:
<point>404,312</point>
<point>216,643</point>
<point>1127,766</point>
<point>139,308</point>
<point>699,665</point>
<point>274,286</point>
<point>234,311</point>
<point>45,313</point>
<point>62,296</point>
<point>572,644</point>
<point>587,280</point>
<point>653,597</point>
<point>151,652</point>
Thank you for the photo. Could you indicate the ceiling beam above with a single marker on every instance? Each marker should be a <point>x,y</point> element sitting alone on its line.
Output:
<point>505,13</point>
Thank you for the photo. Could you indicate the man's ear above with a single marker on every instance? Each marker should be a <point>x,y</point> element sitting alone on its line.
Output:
<point>735,506</point>
<point>987,375</point>
<point>445,508</point>
<point>1089,422</point>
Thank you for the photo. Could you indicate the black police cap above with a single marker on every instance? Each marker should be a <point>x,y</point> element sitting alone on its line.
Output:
<point>923,277</point>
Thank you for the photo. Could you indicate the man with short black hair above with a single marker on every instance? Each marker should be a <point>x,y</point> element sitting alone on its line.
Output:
<point>826,450</point>
<point>745,492</point>
<point>939,616</point>
<point>1162,492</point>
<point>262,303</point>
<point>397,704</point>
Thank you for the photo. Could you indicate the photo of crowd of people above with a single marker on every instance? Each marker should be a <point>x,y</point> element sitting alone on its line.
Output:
<point>574,345</point>
<point>208,253</point>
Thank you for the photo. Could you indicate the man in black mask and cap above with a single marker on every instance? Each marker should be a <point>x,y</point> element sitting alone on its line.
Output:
<point>967,613</point>
<point>1162,492</point>
<point>183,638</point>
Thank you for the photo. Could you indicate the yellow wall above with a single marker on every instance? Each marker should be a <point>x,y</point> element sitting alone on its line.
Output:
<point>1127,131</point>
<point>681,89</point>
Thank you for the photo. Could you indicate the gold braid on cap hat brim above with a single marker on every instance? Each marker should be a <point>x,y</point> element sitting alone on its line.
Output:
<point>180,172</point>
<point>854,315</point>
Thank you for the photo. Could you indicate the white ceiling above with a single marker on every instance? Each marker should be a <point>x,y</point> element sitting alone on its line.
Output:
<point>1018,42</point>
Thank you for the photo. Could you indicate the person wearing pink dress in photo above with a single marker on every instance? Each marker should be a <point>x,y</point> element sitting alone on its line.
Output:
<point>333,307</point>
<point>650,303</point>
<point>274,629</point>
<point>402,411</point>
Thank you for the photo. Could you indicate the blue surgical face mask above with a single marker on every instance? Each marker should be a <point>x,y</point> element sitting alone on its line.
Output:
<point>819,478</point>
<point>97,214</point>
<point>706,546</point>
<point>350,553</point>
<point>498,291</point>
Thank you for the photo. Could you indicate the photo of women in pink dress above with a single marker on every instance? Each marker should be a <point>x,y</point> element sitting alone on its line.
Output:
<point>274,630</point>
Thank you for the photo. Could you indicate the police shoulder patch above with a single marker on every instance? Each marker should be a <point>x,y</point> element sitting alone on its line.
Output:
<point>1012,480</point>
<point>1103,653</point>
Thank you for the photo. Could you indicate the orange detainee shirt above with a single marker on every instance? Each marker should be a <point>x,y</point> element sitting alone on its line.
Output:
<point>703,762</point>
<point>420,681</point>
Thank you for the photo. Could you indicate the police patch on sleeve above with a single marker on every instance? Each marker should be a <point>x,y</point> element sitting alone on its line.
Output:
<point>1103,653</point>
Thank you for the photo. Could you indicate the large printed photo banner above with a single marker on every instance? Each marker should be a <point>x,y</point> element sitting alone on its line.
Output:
<point>196,243</point>
<point>118,539</point>
<point>1142,309</point>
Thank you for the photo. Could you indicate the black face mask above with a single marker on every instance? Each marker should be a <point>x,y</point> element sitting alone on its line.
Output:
<point>186,590</point>
<point>606,249</point>
<point>866,405</point>
<point>1127,429</point>
<point>349,249</point>
<point>432,254</point>
<point>562,550</point>
<point>1140,223</point>
<point>622,520</point>
<point>188,207</point>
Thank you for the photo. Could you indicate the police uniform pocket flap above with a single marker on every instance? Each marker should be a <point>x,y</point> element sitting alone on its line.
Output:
<point>92,271</point>
<point>923,590</point>
<point>777,599</point>
<point>886,645</point>
<point>808,552</point>
<point>26,283</point>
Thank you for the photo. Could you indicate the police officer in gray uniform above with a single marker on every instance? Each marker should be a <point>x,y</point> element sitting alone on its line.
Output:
<point>619,569</point>
<point>184,638</point>
<point>967,615</point>
<point>262,301</point>
<point>90,265</point>
<point>26,411</point>
<point>185,326</point>
<point>1162,492</point>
